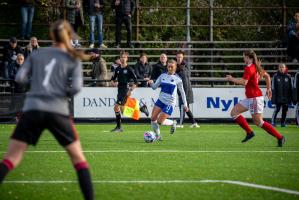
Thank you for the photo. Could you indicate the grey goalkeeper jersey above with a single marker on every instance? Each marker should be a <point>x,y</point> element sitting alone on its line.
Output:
<point>50,69</point>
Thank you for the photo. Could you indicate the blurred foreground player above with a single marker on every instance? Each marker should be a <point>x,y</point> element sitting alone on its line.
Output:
<point>46,105</point>
<point>254,101</point>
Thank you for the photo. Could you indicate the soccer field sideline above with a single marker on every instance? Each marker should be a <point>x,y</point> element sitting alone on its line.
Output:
<point>208,161</point>
<point>240,183</point>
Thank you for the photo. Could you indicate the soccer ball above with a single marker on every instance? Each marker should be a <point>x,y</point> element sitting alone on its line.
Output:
<point>149,136</point>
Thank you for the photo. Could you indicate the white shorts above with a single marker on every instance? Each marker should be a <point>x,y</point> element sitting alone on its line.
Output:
<point>254,105</point>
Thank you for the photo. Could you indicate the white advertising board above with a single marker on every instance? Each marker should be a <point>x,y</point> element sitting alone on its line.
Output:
<point>98,102</point>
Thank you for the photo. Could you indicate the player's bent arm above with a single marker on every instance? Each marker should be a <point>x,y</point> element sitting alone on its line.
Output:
<point>156,84</point>
<point>267,78</point>
<point>183,94</point>
<point>238,81</point>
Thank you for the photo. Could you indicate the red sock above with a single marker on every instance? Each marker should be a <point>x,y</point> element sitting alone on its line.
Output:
<point>8,164</point>
<point>269,128</point>
<point>81,165</point>
<point>243,123</point>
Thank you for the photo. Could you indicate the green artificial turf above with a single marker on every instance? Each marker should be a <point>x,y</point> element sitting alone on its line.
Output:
<point>211,152</point>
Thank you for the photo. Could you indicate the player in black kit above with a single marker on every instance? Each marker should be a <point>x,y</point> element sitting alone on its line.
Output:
<point>125,80</point>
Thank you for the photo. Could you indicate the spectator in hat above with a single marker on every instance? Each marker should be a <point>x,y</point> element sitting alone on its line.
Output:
<point>10,54</point>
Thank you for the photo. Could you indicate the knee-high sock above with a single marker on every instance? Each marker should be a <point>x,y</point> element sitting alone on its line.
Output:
<point>84,179</point>
<point>284,114</point>
<point>243,123</point>
<point>118,119</point>
<point>190,115</point>
<point>155,127</point>
<point>5,167</point>
<point>276,111</point>
<point>167,122</point>
<point>182,114</point>
<point>269,128</point>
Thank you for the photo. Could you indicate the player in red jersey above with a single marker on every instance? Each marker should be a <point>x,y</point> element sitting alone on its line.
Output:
<point>254,101</point>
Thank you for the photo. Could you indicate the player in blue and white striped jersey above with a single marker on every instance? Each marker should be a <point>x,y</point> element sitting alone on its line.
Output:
<point>169,83</point>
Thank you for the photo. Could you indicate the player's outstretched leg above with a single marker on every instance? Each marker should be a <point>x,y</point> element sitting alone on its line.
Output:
<point>169,122</point>
<point>117,119</point>
<point>81,166</point>
<point>154,123</point>
<point>272,131</point>
<point>239,119</point>
<point>156,129</point>
<point>243,123</point>
<point>12,158</point>
<point>258,121</point>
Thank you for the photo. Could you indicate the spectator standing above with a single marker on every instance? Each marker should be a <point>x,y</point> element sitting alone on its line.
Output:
<point>296,96</point>
<point>143,69</point>
<point>160,67</point>
<point>95,12</point>
<point>31,47</point>
<point>27,13</point>
<point>124,10</point>
<point>10,54</point>
<point>75,17</point>
<point>184,73</point>
<point>281,93</point>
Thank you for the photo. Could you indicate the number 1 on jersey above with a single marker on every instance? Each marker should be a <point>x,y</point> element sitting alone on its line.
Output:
<point>49,68</point>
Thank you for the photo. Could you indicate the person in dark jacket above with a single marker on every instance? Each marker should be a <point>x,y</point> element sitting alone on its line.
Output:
<point>296,96</point>
<point>293,45</point>
<point>75,17</point>
<point>10,54</point>
<point>281,93</point>
<point>160,67</point>
<point>124,10</point>
<point>95,12</point>
<point>293,37</point>
<point>12,72</point>
<point>143,69</point>
<point>184,73</point>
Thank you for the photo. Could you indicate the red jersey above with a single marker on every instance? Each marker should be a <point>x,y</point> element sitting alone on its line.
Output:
<point>252,88</point>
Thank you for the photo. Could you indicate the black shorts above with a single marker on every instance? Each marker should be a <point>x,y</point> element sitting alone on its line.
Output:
<point>33,123</point>
<point>122,95</point>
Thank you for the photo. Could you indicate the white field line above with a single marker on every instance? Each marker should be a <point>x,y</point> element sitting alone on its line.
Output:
<point>159,151</point>
<point>240,183</point>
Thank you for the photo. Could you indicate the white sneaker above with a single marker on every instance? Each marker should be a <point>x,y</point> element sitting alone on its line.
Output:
<point>103,46</point>
<point>91,46</point>
<point>180,126</point>
<point>173,127</point>
<point>195,125</point>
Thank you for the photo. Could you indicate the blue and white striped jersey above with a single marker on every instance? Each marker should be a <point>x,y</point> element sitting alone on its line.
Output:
<point>169,85</point>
